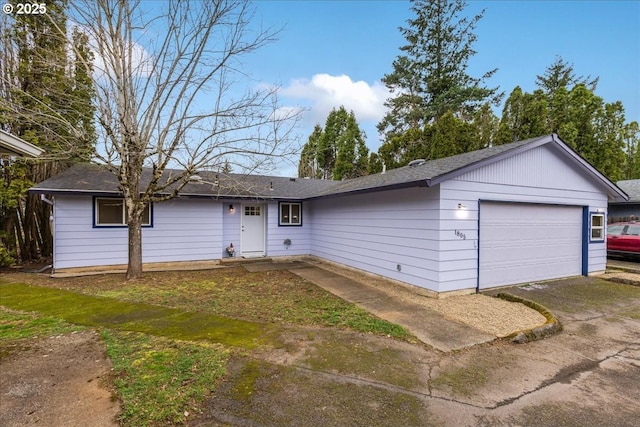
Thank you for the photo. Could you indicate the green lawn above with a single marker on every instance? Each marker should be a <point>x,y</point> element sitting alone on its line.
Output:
<point>170,334</point>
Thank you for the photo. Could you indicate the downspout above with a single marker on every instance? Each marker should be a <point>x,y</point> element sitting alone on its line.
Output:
<point>44,199</point>
<point>51,218</point>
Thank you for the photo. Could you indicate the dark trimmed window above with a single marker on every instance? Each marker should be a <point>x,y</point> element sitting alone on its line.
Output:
<point>290,213</point>
<point>111,212</point>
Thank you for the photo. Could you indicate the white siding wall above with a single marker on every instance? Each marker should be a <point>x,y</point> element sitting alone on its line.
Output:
<point>539,175</point>
<point>183,230</point>
<point>300,236</point>
<point>379,231</point>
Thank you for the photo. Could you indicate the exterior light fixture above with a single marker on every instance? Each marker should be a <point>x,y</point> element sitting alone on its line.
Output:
<point>231,209</point>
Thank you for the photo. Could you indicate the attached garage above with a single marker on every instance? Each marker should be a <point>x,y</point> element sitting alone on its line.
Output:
<point>525,242</point>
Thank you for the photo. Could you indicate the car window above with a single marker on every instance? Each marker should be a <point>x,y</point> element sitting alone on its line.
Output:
<point>615,230</point>
<point>633,230</point>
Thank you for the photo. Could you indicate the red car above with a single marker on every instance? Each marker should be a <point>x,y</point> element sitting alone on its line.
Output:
<point>623,238</point>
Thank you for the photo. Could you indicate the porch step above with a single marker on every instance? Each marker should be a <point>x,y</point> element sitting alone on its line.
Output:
<point>240,260</point>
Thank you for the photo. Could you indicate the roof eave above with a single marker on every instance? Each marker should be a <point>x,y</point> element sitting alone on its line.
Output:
<point>409,184</point>
<point>38,190</point>
<point>13,145</point>
<point>70,192</point>
<point>614,192</point>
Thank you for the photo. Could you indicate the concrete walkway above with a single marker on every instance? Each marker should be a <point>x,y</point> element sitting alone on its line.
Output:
<point>427,325</point>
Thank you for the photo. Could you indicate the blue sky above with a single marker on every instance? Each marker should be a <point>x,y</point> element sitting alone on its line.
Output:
<point>333,53</point>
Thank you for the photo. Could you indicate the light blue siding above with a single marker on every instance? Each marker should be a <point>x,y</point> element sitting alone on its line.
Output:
<point>183,230</point>
<point>379,232</point>
<point>300,236</point>
<point>424,236</point>
<point>539,175</point>
<point>231,228</point>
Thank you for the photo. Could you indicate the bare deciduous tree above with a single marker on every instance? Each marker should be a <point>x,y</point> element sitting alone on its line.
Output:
<point>165,78</point>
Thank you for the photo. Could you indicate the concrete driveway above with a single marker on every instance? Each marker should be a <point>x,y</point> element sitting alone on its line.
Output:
<point>586,375</point>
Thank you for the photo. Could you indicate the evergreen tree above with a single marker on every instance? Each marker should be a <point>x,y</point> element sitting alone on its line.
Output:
<point>560,75</point>
<point>430,77</point>
<point>327,153</point>
<point>485,126</point>
<point>403,148</point>
<point>308,165</point>
<point>336,152</point>
<point>46,99</point>
<point>352,153</point>
<point>632,150</point>
<point>375,164</point>
<point>595,129</point>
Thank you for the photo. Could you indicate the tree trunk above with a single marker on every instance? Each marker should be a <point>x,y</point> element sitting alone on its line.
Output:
<point>134,268</point>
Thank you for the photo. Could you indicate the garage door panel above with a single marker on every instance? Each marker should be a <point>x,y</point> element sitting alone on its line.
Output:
<point>525,242</point>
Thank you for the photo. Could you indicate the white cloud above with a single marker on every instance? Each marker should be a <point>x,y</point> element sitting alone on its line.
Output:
<point>324,92</point>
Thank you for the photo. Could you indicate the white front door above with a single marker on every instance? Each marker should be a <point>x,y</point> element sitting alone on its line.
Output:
<point>252,230</point>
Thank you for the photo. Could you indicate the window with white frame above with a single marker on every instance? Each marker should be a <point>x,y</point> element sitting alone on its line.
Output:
<point>111,212</point>
<point>290,213</point>
<point>597,225</point>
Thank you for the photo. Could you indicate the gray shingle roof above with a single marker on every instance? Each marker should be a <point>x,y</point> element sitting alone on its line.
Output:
<point>86,178</point>
<point>91,178</point>
<point>632,188</point>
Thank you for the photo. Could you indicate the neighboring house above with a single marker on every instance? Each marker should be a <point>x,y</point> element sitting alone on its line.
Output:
<point>622,211</point>
<point>522,212</point>
<point>11,145</point>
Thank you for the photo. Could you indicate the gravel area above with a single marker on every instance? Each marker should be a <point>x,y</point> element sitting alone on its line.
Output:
<point>488,314</point>
<point>623,276</point>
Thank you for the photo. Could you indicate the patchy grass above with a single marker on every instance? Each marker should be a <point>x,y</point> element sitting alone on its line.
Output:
<point>107,312</point>
<point>170,334</point>
<point>17,325</point>
<point>161,381</point>
<point>277,297</point>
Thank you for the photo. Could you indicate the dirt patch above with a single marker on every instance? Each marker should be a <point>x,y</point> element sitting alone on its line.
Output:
<point>57,381</point>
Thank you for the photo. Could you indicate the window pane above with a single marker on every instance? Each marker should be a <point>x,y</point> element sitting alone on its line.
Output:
<point>633,230</point>
<point>596,234</point>
<point>295,214</point>
<point>146,215</point>
<point>284,213</point>
<point>597,220</point>
<point>110,211</point>
<point>615,230</point>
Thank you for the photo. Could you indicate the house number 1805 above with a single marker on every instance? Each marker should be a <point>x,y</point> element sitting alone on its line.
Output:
<point>461,235</point>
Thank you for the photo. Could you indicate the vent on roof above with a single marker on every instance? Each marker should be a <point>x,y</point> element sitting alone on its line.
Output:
<point>417,162</point>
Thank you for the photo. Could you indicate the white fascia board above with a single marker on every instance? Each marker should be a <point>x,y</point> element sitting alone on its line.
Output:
<point>12,145</point>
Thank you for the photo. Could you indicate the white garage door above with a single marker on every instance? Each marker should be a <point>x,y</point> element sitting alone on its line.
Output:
<point>522,243</point>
